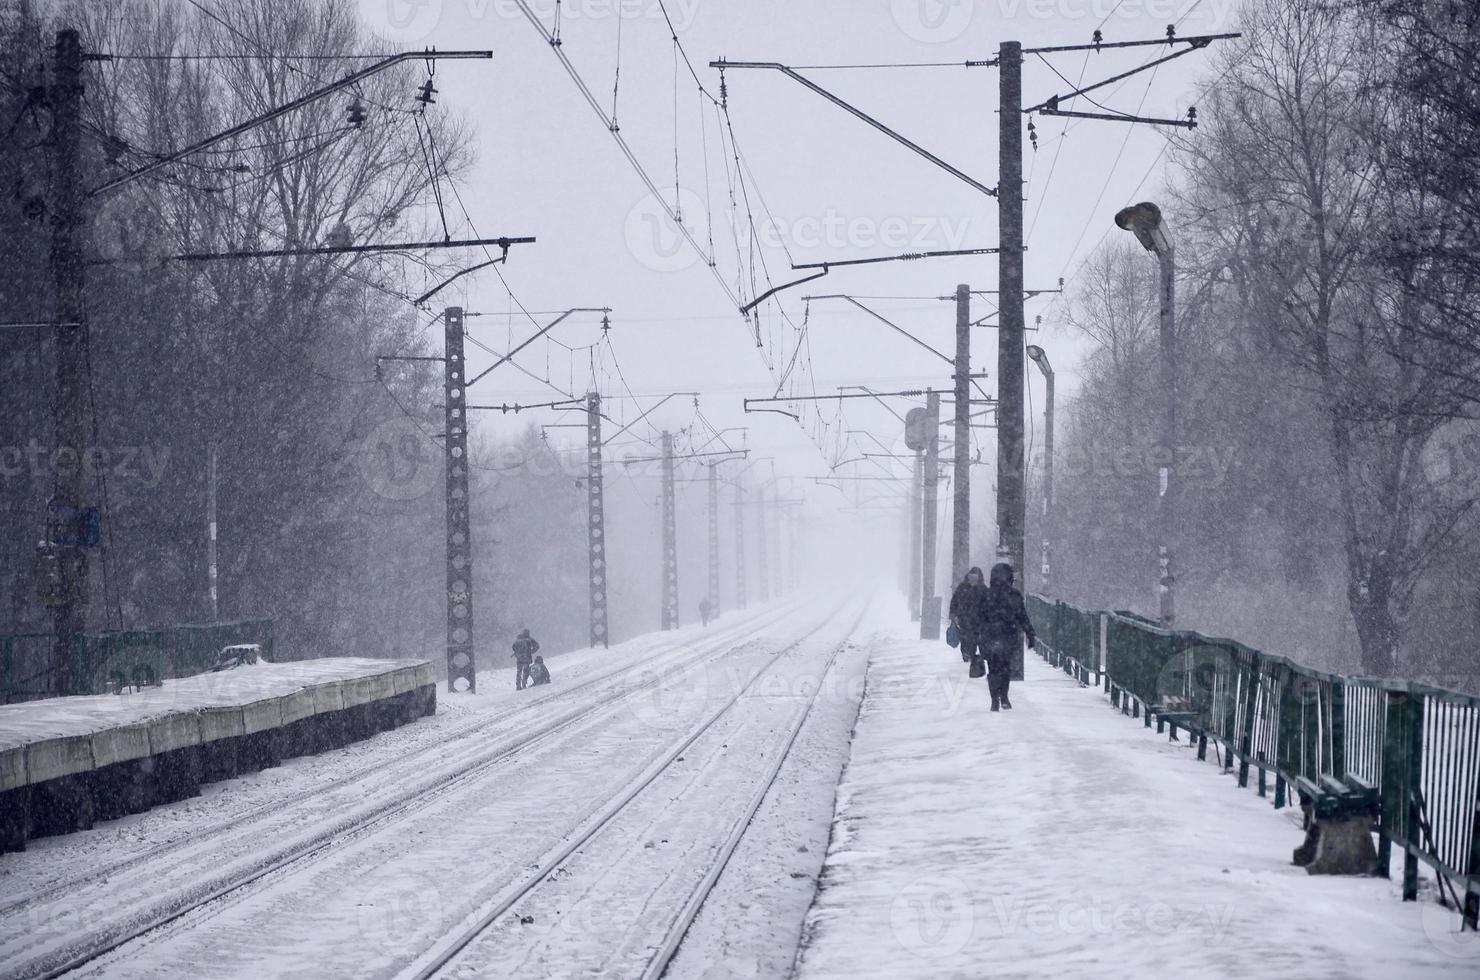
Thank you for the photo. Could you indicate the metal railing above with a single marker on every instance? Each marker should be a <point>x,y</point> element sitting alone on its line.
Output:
<point>1420,745</point>
<point>100,660</point>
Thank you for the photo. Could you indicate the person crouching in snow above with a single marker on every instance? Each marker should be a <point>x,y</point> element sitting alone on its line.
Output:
<point>967,605</point>
<point>538,672</point>
<point>1004,624</point>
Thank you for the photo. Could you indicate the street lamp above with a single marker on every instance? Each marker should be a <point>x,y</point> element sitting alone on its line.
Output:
<point>1145,222</point>
<point>1040,358</point>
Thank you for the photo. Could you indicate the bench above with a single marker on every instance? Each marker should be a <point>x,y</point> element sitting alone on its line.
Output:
<point>1339,814</point>
<point>1338,799</point>
<point>1176,715</point>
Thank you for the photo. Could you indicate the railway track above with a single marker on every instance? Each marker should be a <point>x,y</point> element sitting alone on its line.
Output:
<point>451,955</point>
<point>606,693</point>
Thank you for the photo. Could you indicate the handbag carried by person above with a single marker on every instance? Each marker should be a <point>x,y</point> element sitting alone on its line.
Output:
<point>953,638</point>
<point>978,666</point>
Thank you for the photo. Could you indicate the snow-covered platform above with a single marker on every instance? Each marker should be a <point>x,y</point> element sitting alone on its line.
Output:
<point>1062,839</point>
<point>66,761</point>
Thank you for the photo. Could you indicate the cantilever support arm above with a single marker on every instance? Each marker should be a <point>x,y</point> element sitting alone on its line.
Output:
<point>897,137</point>
<point>282,110</point>
<point>543,330</point>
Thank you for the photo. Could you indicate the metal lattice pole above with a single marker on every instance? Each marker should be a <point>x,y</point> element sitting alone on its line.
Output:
<point>670,539</point>
<point>740,597</point>
<point>713,539</point>
<point>763,565</point>
<point>460,665</point>
<point>596,521</point>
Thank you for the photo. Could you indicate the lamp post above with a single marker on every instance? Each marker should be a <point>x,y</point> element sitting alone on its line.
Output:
<point>1145,222</point>
<point>1040,358</point>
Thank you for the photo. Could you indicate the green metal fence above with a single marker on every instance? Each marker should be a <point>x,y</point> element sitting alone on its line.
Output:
<point>1420,745</point>
<point>100,660</point>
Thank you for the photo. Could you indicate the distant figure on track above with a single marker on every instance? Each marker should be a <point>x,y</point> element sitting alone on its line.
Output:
<point>525,647</point>
<point>705,609</point>
<point>1004,624</point>
<point>538,672</point>
<point>967,603</point>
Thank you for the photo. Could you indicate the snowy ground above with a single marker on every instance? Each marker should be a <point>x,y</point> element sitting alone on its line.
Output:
<point>365,857</point>
<point>1063,839</point>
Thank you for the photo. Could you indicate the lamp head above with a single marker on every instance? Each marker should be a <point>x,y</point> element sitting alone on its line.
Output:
<point>1144,221</point>
<point>1040,357</point>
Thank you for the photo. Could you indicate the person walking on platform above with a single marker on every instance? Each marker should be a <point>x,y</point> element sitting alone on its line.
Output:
<point>538,672</point>
<point>967,604</point>
<point>705,611</point>
<point>1004,624</point>
<point>525,647</point>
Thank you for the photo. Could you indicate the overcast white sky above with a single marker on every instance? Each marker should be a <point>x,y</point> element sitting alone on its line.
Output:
<point>834,187</point>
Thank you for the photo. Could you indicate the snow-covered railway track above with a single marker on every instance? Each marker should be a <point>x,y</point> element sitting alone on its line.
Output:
<point>599,683</point>
<point>705,806</point>
<point>220,864</point>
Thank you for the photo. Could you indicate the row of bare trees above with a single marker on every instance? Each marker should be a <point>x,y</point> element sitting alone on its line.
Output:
<point>1326,221</point>
<point>271,361</point>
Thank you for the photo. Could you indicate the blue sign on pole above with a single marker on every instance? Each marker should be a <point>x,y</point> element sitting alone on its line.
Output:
<point>73,525</point>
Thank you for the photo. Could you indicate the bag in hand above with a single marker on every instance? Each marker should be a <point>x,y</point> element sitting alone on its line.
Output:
<point>953,638</point>
<point>978,666</point>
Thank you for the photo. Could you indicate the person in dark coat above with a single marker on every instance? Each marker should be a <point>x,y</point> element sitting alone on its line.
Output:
<point>967,605</point>
<point>525,647</point>
<point>538,672</point>
<point>1004,624</point>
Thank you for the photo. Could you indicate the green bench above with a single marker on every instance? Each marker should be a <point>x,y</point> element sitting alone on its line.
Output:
<point>1338,799</point>
<point>1174,715</point>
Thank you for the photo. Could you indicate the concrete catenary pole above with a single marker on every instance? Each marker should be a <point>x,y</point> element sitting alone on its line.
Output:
<point>961,506</point>
<point>1011,495</point>
<point>763,564</point>
<point>670,539</point>
<point>915,527</point>
<point>713,539</point>
<point>929,601</point>
<point>1040,357</point>
<point>740,597</point>
<point>69,613</point>
<point>211,558</point>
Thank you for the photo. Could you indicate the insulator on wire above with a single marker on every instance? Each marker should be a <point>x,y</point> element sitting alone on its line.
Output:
<point>1033,134</point>
<point>1192,114</point>
<point>356,114</point>
<point>1098,39</point>
<point>1171,33</point>
<point>427,91</point>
